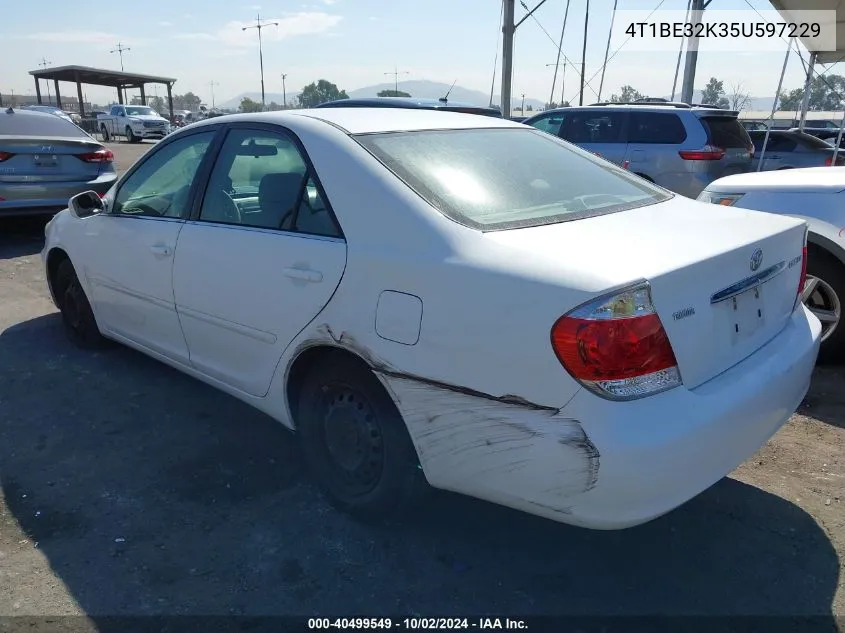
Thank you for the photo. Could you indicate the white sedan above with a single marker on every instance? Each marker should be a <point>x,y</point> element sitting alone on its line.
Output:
<point>817,196</point>
<point>457,299</point>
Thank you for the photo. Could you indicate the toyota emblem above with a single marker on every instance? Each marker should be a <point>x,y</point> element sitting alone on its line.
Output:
<point>756,259</point>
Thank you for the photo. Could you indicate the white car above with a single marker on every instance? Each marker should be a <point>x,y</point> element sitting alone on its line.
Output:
<point>453,298</point>
<point>817,196</point>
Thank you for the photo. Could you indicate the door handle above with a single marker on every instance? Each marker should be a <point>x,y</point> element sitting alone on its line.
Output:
<point>304,274</point>
<point>161,250</point>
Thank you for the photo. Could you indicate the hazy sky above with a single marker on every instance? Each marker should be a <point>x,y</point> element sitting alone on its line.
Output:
<point>350,42</point>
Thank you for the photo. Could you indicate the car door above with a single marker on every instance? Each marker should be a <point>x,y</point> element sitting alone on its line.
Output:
<point>129,264</point>
<point>598,131</point>
<point>260,258</point>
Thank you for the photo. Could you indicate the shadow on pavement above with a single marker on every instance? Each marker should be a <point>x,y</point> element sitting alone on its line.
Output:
<point>150,493</point>
<point>22,236</point>
<point>826,399</point>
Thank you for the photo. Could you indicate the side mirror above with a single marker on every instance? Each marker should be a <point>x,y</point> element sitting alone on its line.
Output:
<point>85,204</point>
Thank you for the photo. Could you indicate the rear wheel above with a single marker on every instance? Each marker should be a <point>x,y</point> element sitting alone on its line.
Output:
<point>354,440</point>
<point>77,316</point>
<point>823,294</point>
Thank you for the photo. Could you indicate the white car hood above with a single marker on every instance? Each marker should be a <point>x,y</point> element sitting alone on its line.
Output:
<point>810,179</point>
<point>146,117</point>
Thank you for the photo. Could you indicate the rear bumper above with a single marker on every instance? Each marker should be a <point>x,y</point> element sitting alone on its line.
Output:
<point>43,198</point>
<point>633,461</point>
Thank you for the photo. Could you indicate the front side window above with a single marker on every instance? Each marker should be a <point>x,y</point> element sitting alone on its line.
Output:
<point>543,180</point>
<point>550,124</point>
<point>594,127</point>
<point>261,180</point>
<point>161,185</point>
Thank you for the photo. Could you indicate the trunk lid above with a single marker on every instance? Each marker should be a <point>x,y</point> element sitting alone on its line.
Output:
<point>39,160</point>
<point>726,132</point>
<point>690,253</point>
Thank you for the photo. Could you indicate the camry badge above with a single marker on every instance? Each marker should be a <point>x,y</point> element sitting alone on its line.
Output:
<point>756,259</point>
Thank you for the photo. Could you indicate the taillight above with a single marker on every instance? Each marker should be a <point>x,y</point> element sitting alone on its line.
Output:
<point>803,278</point>
<point>708,152</point>
<point>5,156</point>
<point>102,155</point>
<point>625,164</point>
<point>828,161</point>
<point>616,346</point>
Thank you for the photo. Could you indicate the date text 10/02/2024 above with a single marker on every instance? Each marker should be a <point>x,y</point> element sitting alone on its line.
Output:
<point>417,623</point>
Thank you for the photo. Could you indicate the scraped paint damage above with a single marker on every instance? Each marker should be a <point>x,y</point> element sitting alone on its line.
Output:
<point>477,443</point>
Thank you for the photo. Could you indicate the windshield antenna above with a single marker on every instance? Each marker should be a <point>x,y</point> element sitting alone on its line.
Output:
<point>446,98</point>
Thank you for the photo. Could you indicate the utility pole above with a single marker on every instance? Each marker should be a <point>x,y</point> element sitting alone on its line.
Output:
<point>44,63</point>
<point>508,30</point>
<point>120,48</point>
<point>212,83</point>
<point>584,54</point>
<point>688,87</point>
<point>559,52</point>
<point>396,74</point>
<point>260,25</point>
<point>607,50</point>
<point>284,92</point>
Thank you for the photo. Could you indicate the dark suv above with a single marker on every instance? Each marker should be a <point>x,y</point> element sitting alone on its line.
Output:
<point>675,145</point>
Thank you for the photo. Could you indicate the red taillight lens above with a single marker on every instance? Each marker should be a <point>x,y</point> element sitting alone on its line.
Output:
<point>707,153</point>
<point>828,161</point>
<point>5,156</point>
<point>803,270</point>
<point>102,155</point>
<point>617,346</point>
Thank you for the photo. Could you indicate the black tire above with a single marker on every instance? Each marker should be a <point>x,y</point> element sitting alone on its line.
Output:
<point>355,442</point>
<point>104,131</point>
<point>828,296</point>
<point>130,136</point>
<point>77,316</point>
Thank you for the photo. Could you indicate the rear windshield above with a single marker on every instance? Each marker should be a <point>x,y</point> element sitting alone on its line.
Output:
<point>38,124</point>
<point>812,142</point>
<point>725,132</point>
<point>492,179</point>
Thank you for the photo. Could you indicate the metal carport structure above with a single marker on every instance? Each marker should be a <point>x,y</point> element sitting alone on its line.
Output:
<point>99,77</point>
<point>789,7</point>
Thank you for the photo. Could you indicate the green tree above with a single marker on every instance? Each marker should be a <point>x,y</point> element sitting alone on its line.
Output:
<point>714,93</point>
<point>529,108</point>
<point>319,92</point>
<point>248,105</point>
<point>393,93</point>
<point>274,106</point>
<point>627,94</point>
<point>823,96</point>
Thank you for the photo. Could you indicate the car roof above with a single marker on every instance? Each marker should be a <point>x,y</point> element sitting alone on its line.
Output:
<point>373,120</point>
<point>651,107</point>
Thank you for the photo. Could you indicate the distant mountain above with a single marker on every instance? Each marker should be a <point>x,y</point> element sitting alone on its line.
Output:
<point>422,89</point>
<point>269,97</point>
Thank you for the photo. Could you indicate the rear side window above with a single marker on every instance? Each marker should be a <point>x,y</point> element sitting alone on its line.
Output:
<point>38,124</point>
<point>725,132</point>
<point>594,127</point>
<point>656,127</point>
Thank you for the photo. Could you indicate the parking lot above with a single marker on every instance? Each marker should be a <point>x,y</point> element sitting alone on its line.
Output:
<point>129,488</point>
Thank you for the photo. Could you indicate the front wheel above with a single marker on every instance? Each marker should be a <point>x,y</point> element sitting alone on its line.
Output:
<point>823,294</point>
<point>355,441</point>
<point>130,136</point>
<point>77,316</point>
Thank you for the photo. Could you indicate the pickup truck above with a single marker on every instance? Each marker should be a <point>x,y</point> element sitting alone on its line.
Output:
<point>133,122</point>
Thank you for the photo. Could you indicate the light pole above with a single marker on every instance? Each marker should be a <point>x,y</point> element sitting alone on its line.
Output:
<point>522,109</point>
<point>396,74</point>
<point>120,48</point>
<point>260,25</point>
<point>284,92</point>
<point>44,63</point>
<point>212,83</point>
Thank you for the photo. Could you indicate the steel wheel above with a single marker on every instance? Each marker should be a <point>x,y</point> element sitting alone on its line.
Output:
<point>821,299</point>
<point>353,438</point>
